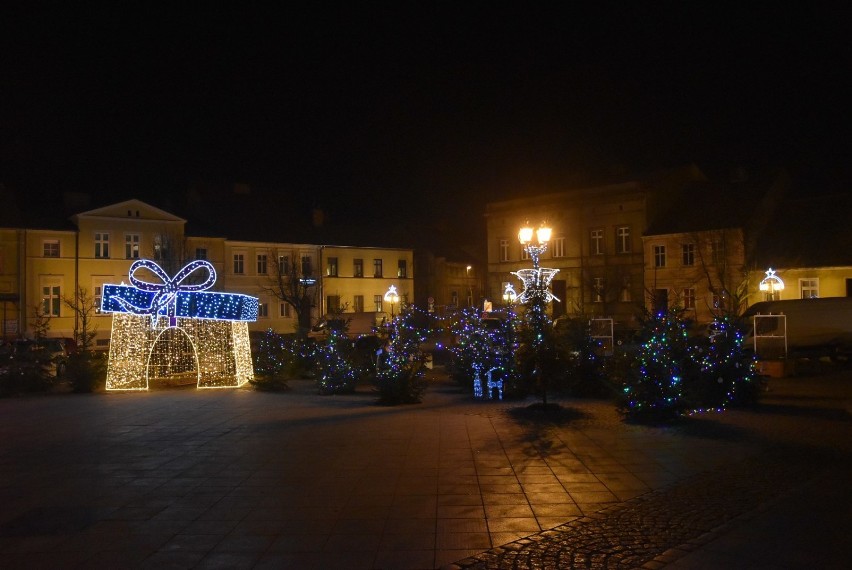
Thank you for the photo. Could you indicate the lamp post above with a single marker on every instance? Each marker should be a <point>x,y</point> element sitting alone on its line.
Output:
<point>536,294</point>
<point>771,284</point>
<point>509,295</point>
<point>392,297</point>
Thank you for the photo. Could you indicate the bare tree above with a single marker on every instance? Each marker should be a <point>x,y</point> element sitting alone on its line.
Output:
<point>40,322</point>
<point>85,307</point>
<point>291,281</point>
<point>721,261</point>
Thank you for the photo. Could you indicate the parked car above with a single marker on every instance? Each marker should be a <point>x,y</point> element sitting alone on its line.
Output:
<point>50,353</point>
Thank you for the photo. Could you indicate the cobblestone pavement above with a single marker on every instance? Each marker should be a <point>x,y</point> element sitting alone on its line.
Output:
<point>803,442</point>
<point>646,529</point>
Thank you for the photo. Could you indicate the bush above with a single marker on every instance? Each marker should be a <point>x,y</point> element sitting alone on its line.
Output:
<point>400,368</point>
<point>86,371</point>
<point>22,373</point>
<point>336,373</point>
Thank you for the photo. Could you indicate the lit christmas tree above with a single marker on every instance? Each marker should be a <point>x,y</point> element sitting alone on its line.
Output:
<point>654,386</point>
<point>484,344</point>
<point>726,373</point>
<point>400,366</point>
<point>336,373</point>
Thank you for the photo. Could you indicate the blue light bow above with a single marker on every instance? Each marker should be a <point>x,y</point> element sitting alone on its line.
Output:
<point>173,299</point>
<point>165,293</point>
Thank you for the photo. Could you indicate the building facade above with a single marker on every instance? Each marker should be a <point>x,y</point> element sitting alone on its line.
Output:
<point>40,269</point>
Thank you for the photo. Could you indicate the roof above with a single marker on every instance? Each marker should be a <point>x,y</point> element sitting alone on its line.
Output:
<point>813,231</point>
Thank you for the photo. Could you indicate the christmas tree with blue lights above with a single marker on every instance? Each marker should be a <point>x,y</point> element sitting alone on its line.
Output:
<point>400,364</point>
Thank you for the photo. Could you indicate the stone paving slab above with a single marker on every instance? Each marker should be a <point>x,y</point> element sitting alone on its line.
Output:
<point>244,479</point>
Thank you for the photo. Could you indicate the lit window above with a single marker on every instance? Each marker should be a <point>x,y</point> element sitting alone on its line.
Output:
<point>102,245</point>
<point>51,248</point>
<point>622,239</point>
<point>504,250</point>
<point>331,268</point>
<point>377,301</point>
<point>809,288</point>
<point>239,263</point>
<point>131,246</point>
<point>688,253</point>
<point>50,300</point>
<point>659,256</point>
<point>261,264</point>
<point>402,268</point>
<point>98,297</point>
<point>596,244</point>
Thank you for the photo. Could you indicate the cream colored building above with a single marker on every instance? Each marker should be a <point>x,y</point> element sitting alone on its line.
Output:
<point>43,267</point>
<point>357,279</point>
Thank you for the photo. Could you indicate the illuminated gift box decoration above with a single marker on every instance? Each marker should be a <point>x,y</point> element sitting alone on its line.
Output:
<point>170,329</point>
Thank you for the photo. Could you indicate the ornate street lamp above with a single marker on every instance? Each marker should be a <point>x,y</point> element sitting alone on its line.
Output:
<point>509,295</point>
<point>392,297</point>
<point>536,295</point>
<point>770,284</point>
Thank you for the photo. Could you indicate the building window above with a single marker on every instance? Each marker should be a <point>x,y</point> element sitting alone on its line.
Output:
<point>131,246</point>
<point>661,301</point>
<point>688,253</point>
<point>263,310</point>
<point>159,252</point>
<point>307,266</point>
<point>598,290</point>
<point>659,256</point>
<point>717,252</point>
<point>377,301</point>
<point>261,264</point>
<point>596,242</point>
<point>50,300</point>
<point>284,310</point>
<point>97,297</point>
<point>402,269</point>
<point>200,253</point>
<point>626,296</point>
<point>331,267</point>
<point>689,298</point>
<point>358,268</point>
<point>454,298</point>
<point>525,254</point>
<point>239,263</point>
<point>283,265</point>
<point>622,239</point>
<point>558,248</point>
<point>377,268</point>
<point>809,288</point>
<point>51,248</point>
<point>332,303</point>
<point>504,250</point>
<point>101,245</point>
<point>358,304</point>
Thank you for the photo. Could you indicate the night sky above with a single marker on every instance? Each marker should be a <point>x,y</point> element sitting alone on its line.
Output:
<point>434,109</point>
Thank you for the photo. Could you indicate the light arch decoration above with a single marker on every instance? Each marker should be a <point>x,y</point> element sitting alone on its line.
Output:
<point>169,327</point>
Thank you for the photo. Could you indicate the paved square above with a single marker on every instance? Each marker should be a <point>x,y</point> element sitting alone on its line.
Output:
<point>242,479</point>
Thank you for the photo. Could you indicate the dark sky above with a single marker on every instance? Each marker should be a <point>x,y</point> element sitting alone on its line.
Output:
<point>434,109</point>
